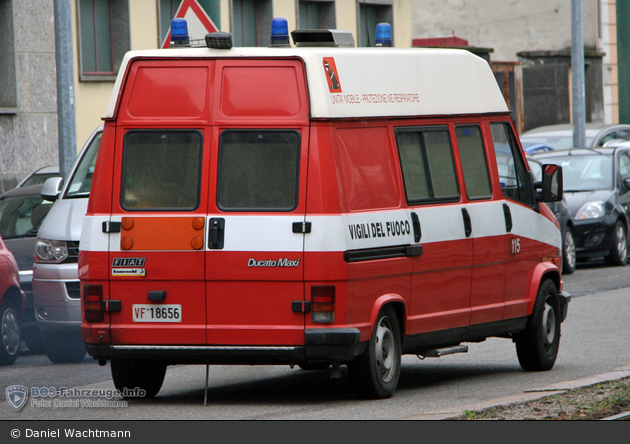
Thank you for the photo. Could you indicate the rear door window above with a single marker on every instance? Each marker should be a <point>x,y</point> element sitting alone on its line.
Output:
<point>161,170</point>
<point>258,170</point>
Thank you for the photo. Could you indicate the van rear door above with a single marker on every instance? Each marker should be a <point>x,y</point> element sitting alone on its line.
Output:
<point>157,241</point>
<point>254,259</point>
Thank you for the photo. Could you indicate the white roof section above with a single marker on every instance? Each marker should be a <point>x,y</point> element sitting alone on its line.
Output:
<point>374,81</point>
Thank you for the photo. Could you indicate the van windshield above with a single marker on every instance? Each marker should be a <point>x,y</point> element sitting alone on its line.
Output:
<point>82,179</point>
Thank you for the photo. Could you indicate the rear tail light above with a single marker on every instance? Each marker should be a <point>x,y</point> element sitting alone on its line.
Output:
<point>93,302</point>
<point>323,303</point>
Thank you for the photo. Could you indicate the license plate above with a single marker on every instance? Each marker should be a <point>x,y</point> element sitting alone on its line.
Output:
<point>157,313</point>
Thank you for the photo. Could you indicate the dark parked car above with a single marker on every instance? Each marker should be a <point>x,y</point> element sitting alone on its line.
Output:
<point>22,211</point>
<point>11,307</point>
<point>562,213</point>
<point>597,191</point>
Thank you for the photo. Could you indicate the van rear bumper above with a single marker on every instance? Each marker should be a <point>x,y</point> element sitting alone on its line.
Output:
<point>322,344</point>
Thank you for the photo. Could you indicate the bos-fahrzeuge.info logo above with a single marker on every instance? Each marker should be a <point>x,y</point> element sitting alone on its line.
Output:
<point>16,396</point>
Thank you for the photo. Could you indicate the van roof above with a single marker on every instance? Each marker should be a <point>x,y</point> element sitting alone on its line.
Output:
<point>374,82</point>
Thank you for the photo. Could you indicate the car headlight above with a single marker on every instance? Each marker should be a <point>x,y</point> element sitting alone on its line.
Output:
<point>51,250</point>
<point>591,210</point>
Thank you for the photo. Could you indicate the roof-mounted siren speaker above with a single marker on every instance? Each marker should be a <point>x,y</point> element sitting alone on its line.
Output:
<point>322,37</point>
<point>280,33</point>
<point>179,33</point>
<point>383,35</point>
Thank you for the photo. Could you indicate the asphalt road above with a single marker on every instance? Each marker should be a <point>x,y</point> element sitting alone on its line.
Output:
<point>594,340</point>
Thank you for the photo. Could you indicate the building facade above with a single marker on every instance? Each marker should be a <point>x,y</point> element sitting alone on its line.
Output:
<point>536,34</point>
<point>104,30</point>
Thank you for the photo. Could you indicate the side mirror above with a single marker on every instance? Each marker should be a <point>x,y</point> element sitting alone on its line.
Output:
<point>51,188</point>
<point>551,185</point>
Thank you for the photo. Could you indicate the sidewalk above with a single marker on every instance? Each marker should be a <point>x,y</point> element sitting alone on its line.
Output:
<point>560,387</point>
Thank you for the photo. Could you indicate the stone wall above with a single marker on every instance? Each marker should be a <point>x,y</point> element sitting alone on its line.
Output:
<point>29,138</point>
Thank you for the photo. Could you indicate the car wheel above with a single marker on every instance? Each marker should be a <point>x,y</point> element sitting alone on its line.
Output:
<point>64,347</point>
<point>619,253</point>
<point>10,331</point>
<point>569,258</point>
<point>537,345</point>
<point>375,374</point>
<point>131,375</point>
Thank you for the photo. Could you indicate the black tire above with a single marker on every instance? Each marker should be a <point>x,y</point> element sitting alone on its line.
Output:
<point>34,343</point>
<point>9,333</point>
<point>619,252</point>
<point>64,347</point>
<point>131,375</point>
<point>375,374</point>
<point>569,257</point>
<point>537,346</point>
<point>314,365</point>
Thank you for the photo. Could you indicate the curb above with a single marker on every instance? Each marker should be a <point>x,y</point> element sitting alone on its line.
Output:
<point>528,395</point>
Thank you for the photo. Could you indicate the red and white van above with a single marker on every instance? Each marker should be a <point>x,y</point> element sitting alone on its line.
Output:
<point>314,206</point>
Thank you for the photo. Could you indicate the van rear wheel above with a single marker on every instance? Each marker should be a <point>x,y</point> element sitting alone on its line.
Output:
<point>375,374</point>
<point>63,347</point>
<point>537,345</point>
<point>142,374</point>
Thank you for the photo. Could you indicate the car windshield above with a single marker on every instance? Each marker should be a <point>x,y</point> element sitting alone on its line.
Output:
<point>585,173</point>
<point>82,179</point>
<point>22,215</point>
<point>555,142</point>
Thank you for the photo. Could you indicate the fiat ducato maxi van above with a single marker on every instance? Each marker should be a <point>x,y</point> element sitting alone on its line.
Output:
<point>316,206</point>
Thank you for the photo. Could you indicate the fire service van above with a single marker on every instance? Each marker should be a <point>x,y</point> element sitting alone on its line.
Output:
<point>314,205</point>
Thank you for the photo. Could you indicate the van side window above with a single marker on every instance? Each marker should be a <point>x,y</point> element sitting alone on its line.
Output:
<point>513,175</point>
<point>258,170</point>
<point>367,171</point>
<point>475,166</point>
<point>428,168</point>
<point>161,170</point>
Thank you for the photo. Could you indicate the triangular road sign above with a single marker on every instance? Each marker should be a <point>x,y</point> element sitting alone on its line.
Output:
<point>199,23</point>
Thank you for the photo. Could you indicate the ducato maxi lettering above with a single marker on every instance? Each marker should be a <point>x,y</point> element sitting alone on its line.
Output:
<point>271,263</point>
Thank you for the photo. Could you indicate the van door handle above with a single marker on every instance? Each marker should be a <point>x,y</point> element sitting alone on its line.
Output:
<point>216,233</point>
<point>467,223</point>
<point>417,231</point>
<point>508,217</point>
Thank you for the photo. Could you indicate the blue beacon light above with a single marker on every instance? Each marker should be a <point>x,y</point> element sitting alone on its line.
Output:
<point>279,32</point>
<point>179,33</point>
<point>383,34</point>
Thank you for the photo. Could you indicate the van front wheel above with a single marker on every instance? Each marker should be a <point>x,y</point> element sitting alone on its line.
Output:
<point>138,375</point>
<point>537,345</point>
<point>375,374</point>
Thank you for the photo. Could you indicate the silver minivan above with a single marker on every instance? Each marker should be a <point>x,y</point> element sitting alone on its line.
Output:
<point>56,290</point>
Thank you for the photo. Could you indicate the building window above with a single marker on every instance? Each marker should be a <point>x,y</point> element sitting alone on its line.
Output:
<point>371,14</point>
<point>317,14</point>
<point>251,22</point>
<point>103,37</point>
<point>8,72</point>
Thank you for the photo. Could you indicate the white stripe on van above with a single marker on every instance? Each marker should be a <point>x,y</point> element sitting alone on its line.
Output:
<point>357,230</point>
